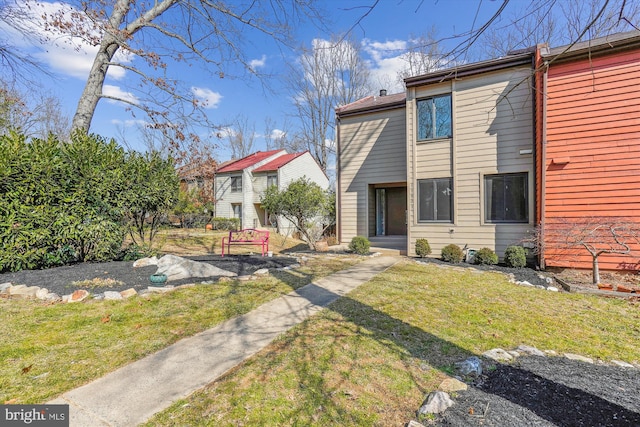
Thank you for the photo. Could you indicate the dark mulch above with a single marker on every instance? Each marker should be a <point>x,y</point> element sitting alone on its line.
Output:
<point>59,279</point>
<point>549,391</point>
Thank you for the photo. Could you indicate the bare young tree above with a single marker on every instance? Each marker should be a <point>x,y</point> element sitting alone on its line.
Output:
<point>597,235</point>
<point>162,32</point>
<point>277,137</point>
<point>327,74</point>
<point>423,55</point>
<point>240,136</point>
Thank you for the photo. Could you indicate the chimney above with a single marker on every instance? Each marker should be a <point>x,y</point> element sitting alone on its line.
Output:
<point>383,92</point>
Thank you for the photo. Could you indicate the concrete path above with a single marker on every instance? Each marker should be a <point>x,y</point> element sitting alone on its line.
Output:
<point>133,393</point>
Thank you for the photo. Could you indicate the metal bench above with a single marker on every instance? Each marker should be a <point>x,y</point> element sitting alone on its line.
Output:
<point>249,236</point>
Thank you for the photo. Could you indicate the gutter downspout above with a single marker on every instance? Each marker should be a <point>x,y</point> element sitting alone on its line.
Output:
<point>543,177</point>
<point>338,187</point>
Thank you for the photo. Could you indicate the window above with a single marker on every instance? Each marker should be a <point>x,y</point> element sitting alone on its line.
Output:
<point>272,179</point>
<point>236,184</point>
<point>435,199</point>
<point>434,117</point>
<point>506,198</point>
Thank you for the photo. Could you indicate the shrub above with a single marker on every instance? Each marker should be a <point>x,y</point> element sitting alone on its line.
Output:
<point>485,256</point>
<point>422,248</point>
<point>332,240</point>
<point>452,253</point>
<point>360,245</point>
<point>228,224</point>
<point>515,256</point>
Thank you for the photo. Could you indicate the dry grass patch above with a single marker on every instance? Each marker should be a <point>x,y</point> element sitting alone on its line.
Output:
<point>373,355</point>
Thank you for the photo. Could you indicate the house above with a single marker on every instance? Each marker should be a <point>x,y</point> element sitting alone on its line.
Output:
<point>589,146</point>
<point>450,160</point>
<point>197,175</point>
<point>240,184</point>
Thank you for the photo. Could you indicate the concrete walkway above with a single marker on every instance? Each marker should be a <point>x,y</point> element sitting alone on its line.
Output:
<point>133,393</point>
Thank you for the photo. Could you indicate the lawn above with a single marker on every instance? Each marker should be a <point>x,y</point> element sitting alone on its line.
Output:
<point>372,356</point>
<point>48,349</point>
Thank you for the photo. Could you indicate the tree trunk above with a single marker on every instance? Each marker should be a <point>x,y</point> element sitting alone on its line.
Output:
<point>596,271</point>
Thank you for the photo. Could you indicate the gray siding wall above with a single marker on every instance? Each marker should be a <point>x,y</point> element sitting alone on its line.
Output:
<point>492,122</point>
<point>372,151</point>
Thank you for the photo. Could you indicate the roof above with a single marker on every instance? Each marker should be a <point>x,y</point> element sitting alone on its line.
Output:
<point>373,103</point>
<point>248,161</point>
<point>278,162</point>
<point>512,60</point>
<point>616,41</point>
<point>196,169</point>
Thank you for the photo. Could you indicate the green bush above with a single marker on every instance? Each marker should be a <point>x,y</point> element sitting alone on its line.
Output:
<point>485,256</point>
<point>452,253</point>
<point>360,245</point>
<point>422,248</point>
<point>515,256</point>
<point>228,224</point>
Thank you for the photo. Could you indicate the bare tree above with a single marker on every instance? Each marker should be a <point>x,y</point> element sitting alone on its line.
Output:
<point>212,33</point>
<point>240,136</point>
<point>558,22</point>
<point>423,55</point>
<point>276,137</point>
<point>36,116</point>
<point>597,235</point>
<point>328,74</point>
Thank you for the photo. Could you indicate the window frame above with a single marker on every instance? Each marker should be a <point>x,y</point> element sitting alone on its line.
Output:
<point>432,100</point>
<point>434,182</point>
<point>233,184</point>
<point>488,198</point>
<point>271,176</point>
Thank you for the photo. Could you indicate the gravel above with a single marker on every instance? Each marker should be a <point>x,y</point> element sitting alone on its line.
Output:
<point>60,279</point>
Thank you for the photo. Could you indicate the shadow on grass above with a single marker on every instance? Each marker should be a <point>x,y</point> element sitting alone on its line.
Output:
<point>547,399</point>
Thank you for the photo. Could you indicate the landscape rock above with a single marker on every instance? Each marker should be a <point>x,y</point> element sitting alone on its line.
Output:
<point>42,293</point>
<point>66,298</point>
<point>529,350</point>
<point>572,356</point>
<point>97,297</point>
<point>144,262</point>
<point>160,289</point>
<point>452,384</point>
<point>436,403</point>
<point>23,292</point>
<point>413,423</point>
<point>177,268</point>
<point>128,293</point>
<point>246,278</point>
<point>524,283</point>
<point>52,297</point>
<point>553,289</point>
<point>550,353</point>
<point>261,272</point>
<point>79,295</point>
<point>4,286</point>
<point>472,366</point>
<point>497,354</point>
<point>112,296</point>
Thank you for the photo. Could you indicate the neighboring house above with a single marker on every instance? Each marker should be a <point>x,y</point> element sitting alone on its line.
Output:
<point>197,176</point>
<point>589,150</point>
<point>451,160</point>
<point>240,184</point>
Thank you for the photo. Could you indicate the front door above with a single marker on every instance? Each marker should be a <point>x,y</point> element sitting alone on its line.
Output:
<point>396,211</point>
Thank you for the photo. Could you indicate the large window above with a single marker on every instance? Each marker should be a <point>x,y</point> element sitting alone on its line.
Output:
<point>435,199</point>
<point>506,198</point>
<point>236,184</point>
<point>434,117</point>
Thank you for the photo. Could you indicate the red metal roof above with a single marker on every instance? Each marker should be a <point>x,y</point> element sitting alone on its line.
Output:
<point>277,163</point>
<point>245,162</point>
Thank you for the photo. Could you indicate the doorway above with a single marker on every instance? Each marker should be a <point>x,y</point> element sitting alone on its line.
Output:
<point>391,211</point>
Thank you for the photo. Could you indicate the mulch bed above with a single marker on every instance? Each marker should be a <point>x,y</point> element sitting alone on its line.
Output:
<point>60,279</point>
<point>548,391</point>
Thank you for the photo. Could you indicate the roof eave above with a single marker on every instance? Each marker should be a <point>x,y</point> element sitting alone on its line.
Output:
<point>607,44</point>
<point>372,109</point>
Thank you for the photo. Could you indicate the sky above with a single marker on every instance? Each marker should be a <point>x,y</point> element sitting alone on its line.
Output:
<point>382,33</point>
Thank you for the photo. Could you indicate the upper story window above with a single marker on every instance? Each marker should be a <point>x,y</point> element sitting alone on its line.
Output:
<point>434,117</point>
<point>236,184</point>
<point>506,197</point>
<point>272,179</point>
<point>435,200</point>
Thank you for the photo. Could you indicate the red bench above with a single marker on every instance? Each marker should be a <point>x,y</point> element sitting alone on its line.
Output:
<point>249,236</point>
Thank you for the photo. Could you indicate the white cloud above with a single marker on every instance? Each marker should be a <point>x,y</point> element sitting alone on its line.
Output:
<point>277,134</point>
<point>128,123</point>
<point>258,63</point>
<point>209,98</point>
<point>117,92</point>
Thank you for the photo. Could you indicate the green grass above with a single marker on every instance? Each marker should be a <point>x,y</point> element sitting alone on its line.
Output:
<point>373,355</point>
<point>48,349</point>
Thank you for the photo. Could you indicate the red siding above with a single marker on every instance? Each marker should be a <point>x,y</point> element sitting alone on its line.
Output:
<point>593,122</point>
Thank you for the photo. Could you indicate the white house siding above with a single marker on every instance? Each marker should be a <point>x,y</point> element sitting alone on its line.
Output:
<point>492,122</point>
<point>372,151</point>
